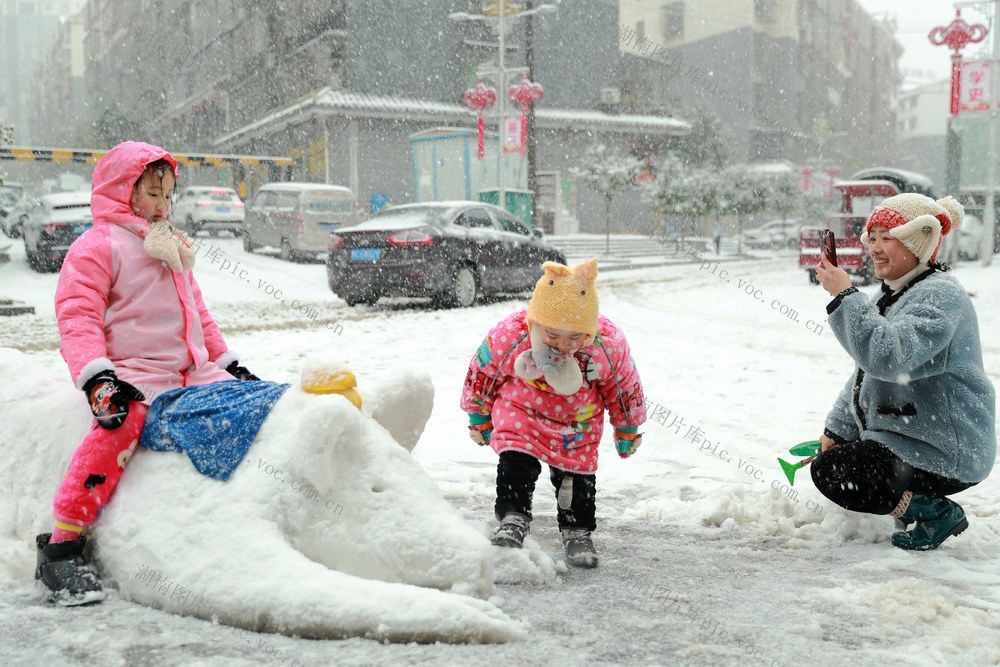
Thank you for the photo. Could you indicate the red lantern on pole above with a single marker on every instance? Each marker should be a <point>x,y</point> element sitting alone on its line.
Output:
<point>480,98</point>
<point>525,93</point>
<point>955,36</point>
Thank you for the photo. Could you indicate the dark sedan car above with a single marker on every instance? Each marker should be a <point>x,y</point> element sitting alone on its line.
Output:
<point>449,251</point>
<point>51,227</point>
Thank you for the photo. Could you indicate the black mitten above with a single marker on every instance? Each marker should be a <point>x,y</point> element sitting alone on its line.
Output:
<point>240,372</point>
<point>109,398</point>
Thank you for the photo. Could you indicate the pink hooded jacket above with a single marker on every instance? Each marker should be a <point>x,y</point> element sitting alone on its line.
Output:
<point>118,308</point>
<point>528,416</point>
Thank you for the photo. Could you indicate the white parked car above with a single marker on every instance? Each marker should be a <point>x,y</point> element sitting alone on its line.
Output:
<point>774,234</point>
<point>213,209</point>
<point>965,244</point>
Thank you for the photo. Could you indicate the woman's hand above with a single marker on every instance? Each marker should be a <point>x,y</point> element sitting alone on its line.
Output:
<point>826,443</point>
<point>833,278</point>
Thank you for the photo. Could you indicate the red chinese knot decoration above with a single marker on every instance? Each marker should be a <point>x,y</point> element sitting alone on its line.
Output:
<point>480,98</point>
<point>525,93</point>
<point>956,36</point>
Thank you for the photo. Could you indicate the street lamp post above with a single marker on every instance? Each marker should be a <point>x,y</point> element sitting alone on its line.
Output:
<point>500,11</point>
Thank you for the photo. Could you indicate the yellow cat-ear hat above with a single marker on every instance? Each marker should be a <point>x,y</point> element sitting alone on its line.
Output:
<point>566,298</point>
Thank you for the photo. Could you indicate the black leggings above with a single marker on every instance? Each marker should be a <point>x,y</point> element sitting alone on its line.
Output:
<point>516,476</point>
<point>864,476</point>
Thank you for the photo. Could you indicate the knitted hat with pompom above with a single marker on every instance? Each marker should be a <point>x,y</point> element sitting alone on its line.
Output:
<point>917,221</point>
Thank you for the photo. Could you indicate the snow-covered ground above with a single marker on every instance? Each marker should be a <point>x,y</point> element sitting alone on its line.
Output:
<point>707,557</point>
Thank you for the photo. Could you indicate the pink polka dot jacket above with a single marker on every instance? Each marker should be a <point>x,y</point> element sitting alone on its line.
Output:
<point>528,416</point>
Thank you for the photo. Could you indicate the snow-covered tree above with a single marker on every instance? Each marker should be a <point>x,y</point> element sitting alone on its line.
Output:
<point>707,143</point>
<point>608,172</point>
<point>743,191</point>
<point>114,126</point>
<point>686,193</point>
<point>785,196</point>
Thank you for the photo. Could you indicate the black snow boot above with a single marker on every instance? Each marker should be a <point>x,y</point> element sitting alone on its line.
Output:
<point>512,530</point>
<point>580,550</point>
<point>64,570</point>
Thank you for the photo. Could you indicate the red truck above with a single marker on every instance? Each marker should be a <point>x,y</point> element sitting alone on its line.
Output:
<point>853,201</point>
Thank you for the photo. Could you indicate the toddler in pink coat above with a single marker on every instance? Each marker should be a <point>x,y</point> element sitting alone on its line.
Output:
<point>132,324</point>
<point>536,392</point>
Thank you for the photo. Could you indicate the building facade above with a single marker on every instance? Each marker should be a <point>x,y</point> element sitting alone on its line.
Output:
<point>810,81</point>
<point>55,103</point>
<point>28,28</point>
<point>341,86</point>
<point>922,129</point>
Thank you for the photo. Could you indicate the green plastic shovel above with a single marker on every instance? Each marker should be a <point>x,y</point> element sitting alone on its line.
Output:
<point>810,448</point>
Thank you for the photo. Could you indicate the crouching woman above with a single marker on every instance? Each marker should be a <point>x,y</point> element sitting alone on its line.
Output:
<point>916,421</point>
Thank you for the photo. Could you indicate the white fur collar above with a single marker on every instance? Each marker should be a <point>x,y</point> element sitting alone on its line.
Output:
<point>561,371</point>
<point>164,241</point>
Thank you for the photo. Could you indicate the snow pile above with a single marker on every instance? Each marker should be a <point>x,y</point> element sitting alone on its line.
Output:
<point>800,521</point>
<point>530,565</point>
<point>328,529</point>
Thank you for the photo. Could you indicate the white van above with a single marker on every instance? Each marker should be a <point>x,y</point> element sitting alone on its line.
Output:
<point>298,218</point>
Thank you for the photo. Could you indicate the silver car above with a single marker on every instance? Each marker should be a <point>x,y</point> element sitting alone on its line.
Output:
<point>298,218</point>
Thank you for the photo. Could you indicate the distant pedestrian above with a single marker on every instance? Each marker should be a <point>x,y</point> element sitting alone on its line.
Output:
<point>717,237</point>
<point>536,392</point>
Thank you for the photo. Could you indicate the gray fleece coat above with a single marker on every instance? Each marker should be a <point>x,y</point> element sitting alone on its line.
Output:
<point>919,387</point>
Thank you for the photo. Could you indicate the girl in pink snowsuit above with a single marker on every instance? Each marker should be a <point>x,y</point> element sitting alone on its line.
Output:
<point>132,324</point>
<point>536,392</point>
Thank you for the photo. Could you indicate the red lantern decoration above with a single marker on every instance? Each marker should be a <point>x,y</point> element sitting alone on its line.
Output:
<point>480,98</point>
<point>956,35</point>
<point>525,93</point>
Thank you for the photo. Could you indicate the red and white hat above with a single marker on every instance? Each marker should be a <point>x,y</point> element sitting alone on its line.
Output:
<point>917,221</point>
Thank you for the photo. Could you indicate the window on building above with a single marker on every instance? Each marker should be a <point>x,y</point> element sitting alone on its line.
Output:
<point>912,124</point>
<point>640,31</point>
<point>765,11</point>
<point>672,20</point>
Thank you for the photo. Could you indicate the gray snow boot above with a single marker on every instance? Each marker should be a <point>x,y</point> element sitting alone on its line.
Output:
<point>64,570</point>
<point>512,530</point>
<point>580,550</point>
<point>936,519</point>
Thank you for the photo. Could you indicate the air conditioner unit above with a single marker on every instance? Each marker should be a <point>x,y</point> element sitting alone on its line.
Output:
<point>611,96</point>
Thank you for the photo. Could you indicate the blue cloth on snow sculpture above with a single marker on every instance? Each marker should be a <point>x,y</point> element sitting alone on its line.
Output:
<point>214,424</point>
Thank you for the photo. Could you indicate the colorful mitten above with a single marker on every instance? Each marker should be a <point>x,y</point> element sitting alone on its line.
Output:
<point>480,428</point>
<point>628,440</point>
<point>109,399</point>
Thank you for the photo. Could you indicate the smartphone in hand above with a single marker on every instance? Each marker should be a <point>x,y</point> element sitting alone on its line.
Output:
<point>828,246</point>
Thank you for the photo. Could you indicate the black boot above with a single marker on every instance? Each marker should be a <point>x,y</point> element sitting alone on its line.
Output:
<point>512,530</point>
<point>64,570</point>
<point>580,551</point>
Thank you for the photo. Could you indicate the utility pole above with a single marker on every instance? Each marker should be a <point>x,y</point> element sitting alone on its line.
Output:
<point>529,61</point>
<point>956,36</point>
<point>989,210</point>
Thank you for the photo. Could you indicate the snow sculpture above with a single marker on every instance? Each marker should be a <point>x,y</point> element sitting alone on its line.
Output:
<point>329,528</point>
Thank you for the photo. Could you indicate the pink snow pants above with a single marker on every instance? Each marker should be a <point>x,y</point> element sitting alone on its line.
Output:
<point>96,467</point>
